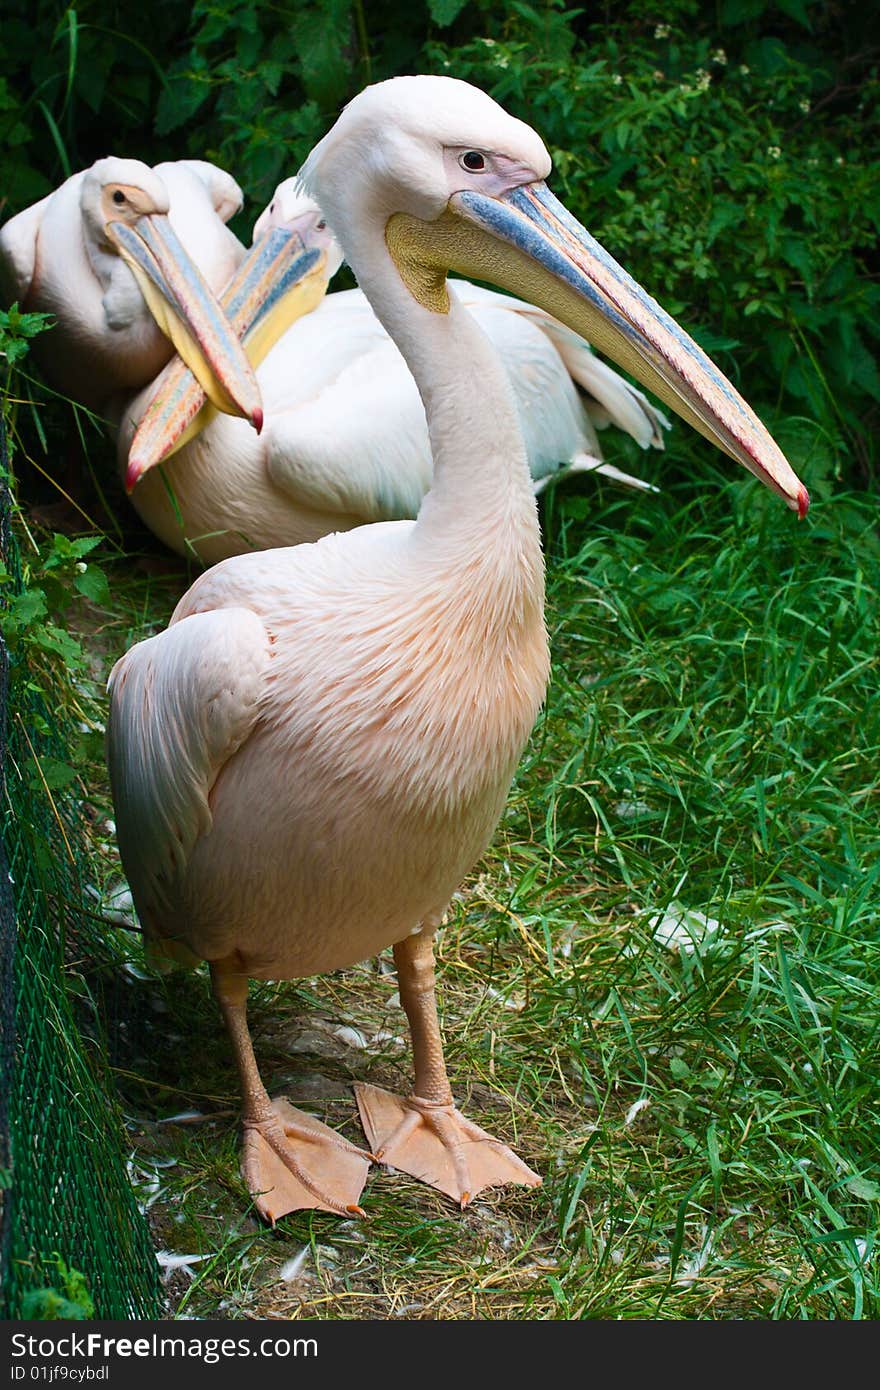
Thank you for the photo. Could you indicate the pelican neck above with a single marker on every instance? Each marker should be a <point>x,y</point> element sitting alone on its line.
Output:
<point>481,488</point>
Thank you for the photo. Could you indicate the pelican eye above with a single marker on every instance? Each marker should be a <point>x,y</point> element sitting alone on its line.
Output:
<point>118,196</point>
<point>473,161</point>
<point>320,226</point>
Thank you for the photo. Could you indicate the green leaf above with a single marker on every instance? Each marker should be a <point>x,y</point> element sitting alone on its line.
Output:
<point>57,138</point>
<point>73,44</point>
<point>863,366</point>
<point>864,1189</point>
<point>741,11</point>
<point>93,584</point>
<point>64,550</point>
<point>185,95</point>
<point>54,773</point>
<point>28,606</point>
<point>796,10</point>
<point>48,1305</point>
<point>712,1149</point>
<point>60,643</point>
<point>84,545</point>
<point>443,12</point>
<point>321,41</point>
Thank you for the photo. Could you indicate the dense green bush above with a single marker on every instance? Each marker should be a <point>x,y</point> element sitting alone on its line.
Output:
<point>724,153</point>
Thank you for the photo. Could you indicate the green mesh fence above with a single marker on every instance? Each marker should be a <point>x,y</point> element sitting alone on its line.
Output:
<point>64,1187</point>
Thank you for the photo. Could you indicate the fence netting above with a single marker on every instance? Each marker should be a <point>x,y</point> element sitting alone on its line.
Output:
<point>68,1209</point>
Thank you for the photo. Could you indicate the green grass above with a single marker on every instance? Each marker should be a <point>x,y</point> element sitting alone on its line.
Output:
<point>705,1118</point>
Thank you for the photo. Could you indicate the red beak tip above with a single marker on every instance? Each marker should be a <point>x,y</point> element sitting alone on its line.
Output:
<point>132,474</point>
<point>257,419</point>
<point>803,502</point>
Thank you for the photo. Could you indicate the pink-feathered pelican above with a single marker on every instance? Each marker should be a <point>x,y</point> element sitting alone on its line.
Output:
<point>117,320</point>
<point>345,439</point>
<point>311,757</point>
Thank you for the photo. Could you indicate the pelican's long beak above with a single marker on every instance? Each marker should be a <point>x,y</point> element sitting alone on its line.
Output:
<point>277,282</point>
<point>187,312</point>
<point>528,243</point>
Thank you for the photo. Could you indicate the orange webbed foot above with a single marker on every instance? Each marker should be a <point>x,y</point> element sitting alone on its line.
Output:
<point>292,1161</point>
<point>437,1144</point>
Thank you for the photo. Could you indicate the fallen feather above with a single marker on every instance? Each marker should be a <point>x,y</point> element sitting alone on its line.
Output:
<point>146,1185</point>
<point>353,1036</point>
<point>694,1267</point>
<point>631,810</point>
<point>292,1267</point>
<point>169,1262</point>
<point>117,907</point>
<point>135,972</point>
<point>383,1036</point>
<point>635,1109</point>
<point>682,928</point>
<point>507,1001</point>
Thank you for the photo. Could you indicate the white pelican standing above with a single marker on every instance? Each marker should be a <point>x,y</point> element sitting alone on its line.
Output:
<point>114,328</point>
<point>309,759</point>
<point>345,440</point>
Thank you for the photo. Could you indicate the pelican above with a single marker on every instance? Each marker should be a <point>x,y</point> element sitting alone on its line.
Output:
<point>345,440</point>
<point>117,320</point>
<point>307,762</point>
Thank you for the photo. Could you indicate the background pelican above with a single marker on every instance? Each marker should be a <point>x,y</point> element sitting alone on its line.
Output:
<point>345,439</point>
<point>310,758</point>
<point>57,257</point>
<point>544,359</point>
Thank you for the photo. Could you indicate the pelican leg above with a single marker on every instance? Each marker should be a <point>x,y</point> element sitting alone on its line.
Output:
<point>289,1159</point>
<point>425,1135</point>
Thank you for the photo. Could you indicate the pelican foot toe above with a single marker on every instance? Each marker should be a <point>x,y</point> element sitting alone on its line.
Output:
<point>292,1161</point>
<point>437,1144</point>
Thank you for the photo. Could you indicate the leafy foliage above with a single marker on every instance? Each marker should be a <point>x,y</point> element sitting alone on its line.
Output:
<point>70,1301</point>
<point>733,180</point>
<point>55,574</point>
<point>16,331</point>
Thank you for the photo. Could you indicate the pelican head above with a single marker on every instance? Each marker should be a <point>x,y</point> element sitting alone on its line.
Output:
<point>294,210</point>
<point>457,184</point>
<point>119,190</point>
<point>124,206</point>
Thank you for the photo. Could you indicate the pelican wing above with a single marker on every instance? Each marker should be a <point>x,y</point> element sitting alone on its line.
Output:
<point>18,251</point>
<point>612,399</point>
<point>181,704</point>
<point>334,451</point>
<point>226,196</point>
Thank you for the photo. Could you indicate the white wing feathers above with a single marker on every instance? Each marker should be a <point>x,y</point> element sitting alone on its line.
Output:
<point>619,402</point>
<point>181,704</point>
<point>226,196</point>
<point>336,453</point>
<point>18,252</point>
